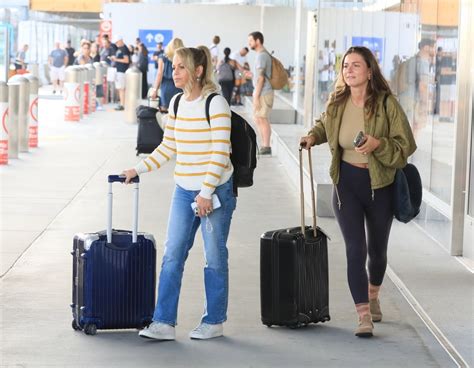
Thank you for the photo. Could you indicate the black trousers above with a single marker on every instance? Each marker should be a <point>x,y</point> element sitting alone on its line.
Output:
<point>365,218</point>
<point>227,88</point>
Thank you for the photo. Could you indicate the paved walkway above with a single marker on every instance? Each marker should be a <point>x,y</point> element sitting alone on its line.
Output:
<point>59,189</point>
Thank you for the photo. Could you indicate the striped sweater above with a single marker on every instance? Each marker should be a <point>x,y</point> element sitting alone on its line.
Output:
<point>202,149</point>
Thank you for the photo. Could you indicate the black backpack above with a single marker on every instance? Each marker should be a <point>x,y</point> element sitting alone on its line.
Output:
<point>407,189</point>
<point>243,142</point>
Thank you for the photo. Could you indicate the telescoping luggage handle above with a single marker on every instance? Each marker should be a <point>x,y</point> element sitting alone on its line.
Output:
<point>121,179</point>
<point>313,197</point>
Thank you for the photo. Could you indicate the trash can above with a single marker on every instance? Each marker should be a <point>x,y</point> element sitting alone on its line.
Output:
<point>72,94</point>
<point>33,111</point>
<point>3,123</point>
<point>90,71</point>
<point>133,90</point>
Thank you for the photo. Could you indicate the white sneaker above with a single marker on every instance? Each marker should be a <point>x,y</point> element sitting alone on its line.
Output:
<point>158,331</point>
<point>206,331</point>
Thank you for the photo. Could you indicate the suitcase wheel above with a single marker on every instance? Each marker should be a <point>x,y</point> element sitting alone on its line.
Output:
<point>90,329</point>
<point>269,325</point>
<point>75,326</point>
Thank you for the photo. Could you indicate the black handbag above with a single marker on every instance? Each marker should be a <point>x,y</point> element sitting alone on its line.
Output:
<point>407,189</point>
<point>407,193</point>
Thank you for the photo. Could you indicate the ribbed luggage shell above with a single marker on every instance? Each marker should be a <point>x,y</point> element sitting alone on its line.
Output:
<point>294,285</point>
<point>114,284</point>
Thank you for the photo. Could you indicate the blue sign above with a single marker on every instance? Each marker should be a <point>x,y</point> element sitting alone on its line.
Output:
<point>374,44</point>
<point>150,37</point>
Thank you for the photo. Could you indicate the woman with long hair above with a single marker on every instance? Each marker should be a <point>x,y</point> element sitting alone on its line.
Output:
<point>164,77</point>
<point>226,76</point>
<point>362,170</point>
<point>203,195</point>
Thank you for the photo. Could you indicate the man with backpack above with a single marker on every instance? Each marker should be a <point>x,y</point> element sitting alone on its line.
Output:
<point>263,94</point>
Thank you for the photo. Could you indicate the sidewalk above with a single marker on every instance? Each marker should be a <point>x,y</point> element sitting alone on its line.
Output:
<point>59,189</point>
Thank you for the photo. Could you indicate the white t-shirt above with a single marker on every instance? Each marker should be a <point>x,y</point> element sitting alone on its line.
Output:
<point>239,58</point>
<point>214,49</point>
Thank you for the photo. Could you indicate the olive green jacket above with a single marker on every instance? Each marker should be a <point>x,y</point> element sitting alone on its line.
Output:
<point>391,127</point>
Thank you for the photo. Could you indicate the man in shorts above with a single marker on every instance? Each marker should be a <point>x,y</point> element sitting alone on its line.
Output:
<point>58,59</point>
<point>263,92</point>
<point>122,61</point>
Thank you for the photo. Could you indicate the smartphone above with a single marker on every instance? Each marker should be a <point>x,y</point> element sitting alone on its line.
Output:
<point>360,139</point>
<point>216,203</point>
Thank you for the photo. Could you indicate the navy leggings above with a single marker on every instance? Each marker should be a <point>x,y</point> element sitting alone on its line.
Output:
<point>360,206</point>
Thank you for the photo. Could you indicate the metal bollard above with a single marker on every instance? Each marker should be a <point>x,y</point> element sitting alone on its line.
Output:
<point>23,105</point>
<point>111,75</point>
<point>12,120</point>
<point>133,90</point>
<point>105,89</point>
<point>33,68</point>
<point>3,122</point>
<point>82,79</point>
<point>33,111</point>
<point>98,80</point>
<point>72,95</point>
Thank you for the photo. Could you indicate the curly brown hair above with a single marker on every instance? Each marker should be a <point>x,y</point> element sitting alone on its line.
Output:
<point>377,84</point>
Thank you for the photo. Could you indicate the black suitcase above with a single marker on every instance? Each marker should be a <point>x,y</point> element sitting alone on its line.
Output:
<point>150,133</point>
<point>294,283</point>
<point>114,276</point>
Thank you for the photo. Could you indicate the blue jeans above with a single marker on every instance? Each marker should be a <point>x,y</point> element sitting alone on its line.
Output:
<point>182,227</point>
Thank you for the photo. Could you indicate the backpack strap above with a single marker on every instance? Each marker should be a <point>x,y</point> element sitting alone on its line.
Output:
<point>176,104</point>
<point>208,104</point>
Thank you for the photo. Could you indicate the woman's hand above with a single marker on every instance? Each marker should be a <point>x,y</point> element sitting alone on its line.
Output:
<point>370,145</point>
<point>308,141</point>
<point>129,175</point>
<point>204,206</point>
<point>154,93</point>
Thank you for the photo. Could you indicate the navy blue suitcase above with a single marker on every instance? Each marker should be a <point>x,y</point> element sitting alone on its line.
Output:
<point>114,276</point>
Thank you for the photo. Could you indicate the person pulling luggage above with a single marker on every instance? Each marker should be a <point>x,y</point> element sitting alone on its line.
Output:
<point>203,195</point>
<point>362,171</point>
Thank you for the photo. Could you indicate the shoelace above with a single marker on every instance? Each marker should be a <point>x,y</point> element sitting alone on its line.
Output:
<point>202,328</point>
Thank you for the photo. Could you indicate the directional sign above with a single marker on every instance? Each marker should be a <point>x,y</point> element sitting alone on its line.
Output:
<point>150,37</point>
<point>374,44</point>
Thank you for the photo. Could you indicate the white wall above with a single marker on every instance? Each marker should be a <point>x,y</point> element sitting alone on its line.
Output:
<point>196,24</point>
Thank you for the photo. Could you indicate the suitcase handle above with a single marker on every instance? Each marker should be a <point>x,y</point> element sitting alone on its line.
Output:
<point>313,196</point>
<point>118,178</point>
<point>121,179</point>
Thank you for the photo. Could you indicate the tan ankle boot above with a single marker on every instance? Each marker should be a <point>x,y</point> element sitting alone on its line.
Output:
<point>366,327</point>
<point>375,310</point>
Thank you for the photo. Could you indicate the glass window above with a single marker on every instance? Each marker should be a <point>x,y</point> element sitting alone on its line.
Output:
<point>416,45</point>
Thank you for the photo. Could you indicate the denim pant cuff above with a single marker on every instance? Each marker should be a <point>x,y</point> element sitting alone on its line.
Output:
<point>171,323</point>
<point>213,322</point>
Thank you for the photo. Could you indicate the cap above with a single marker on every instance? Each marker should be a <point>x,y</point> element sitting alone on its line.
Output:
<point>117,38</point>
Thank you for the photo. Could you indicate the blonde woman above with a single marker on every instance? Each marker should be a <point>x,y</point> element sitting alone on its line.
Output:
<point>203,177</point>
<point>164,76</point>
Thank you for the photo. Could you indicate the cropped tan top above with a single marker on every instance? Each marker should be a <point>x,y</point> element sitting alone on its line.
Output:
<point>352,123</point>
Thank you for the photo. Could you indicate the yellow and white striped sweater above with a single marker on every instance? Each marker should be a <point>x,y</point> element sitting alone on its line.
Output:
<point>202,150</point>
